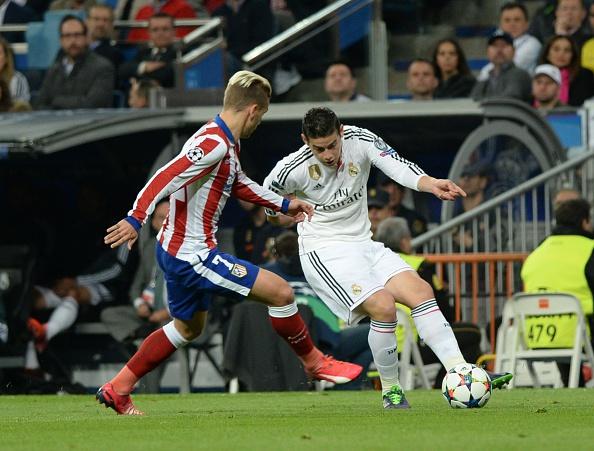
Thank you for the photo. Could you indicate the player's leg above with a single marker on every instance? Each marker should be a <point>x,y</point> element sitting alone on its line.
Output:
<point>381,309</point>
<point>275,292</point>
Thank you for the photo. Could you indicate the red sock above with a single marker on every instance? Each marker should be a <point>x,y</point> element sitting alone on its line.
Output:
<point>154,349</point>
<point>295,332</point>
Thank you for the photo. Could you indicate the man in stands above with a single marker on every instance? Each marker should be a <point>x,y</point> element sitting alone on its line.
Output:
<point>156,61</point>
<point>504,79</point>
<point>100,25</point>
<point>80,78</point>
<point>570,19</point>
<point>340,84</point>
<point>546,84</point>
<point>421,80</point>
<point>177,9</point>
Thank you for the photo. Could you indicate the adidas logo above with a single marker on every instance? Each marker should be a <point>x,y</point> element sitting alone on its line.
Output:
<point>317,187</point>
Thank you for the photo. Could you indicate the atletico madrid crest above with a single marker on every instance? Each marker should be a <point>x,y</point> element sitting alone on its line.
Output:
<point>239,270</point>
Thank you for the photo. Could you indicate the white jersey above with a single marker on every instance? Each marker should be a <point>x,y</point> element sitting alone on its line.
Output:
<point>339,195</point>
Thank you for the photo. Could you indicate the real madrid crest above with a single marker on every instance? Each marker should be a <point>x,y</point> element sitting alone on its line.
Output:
<point>315,172</point>
<point>353,170</point>
<point>356,289</point>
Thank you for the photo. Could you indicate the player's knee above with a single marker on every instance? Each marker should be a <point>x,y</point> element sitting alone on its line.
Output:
<point>423,290</point>
<point>381,307</point>
<point>283,296</point>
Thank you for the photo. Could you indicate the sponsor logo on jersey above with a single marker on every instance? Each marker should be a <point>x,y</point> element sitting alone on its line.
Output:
<point>317,187</point>
<point>315,172</point>
<point>388,152</point>
<point>356,289</point>
<point>195,154</point>
<point>343,202</point>
<point>353,170</point>
<point>239,270</point>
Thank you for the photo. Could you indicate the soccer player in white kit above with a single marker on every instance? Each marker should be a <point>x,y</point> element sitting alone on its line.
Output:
<point>198,182</point>
<point>353,275</point>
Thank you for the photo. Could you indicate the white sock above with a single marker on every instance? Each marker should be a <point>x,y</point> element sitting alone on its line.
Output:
<point>437,333</point>
<point>382,341</point>
<point>62,317</point>
<point>283,312</point>
<point>31,361</point>
<point>174,336</point>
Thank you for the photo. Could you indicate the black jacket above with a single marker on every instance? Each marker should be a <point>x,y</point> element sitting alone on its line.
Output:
<point>165,76</point>
<point>455,87</point>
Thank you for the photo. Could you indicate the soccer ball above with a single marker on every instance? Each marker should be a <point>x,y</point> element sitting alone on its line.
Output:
<point>466,386</point>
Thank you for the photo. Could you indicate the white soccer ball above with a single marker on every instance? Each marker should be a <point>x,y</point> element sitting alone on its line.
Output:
<point>466,386</point>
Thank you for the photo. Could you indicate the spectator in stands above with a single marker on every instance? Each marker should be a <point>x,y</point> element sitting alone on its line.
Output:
<point>101,32</point>
<point>16,81</point>
<point>504,79</point>
<point>240,32</point>
<point>565,194</point>
<point>577,83</point>
<point>564,262</point>
<point>421,80</point>
<point>7,104</point>
<point>340,83</point>
<point>12,13</point>
<point>139,94</point>
<point>588,47</point>
<point>176,9</point>
<point>513,19</point>
<point>451,68</point>
<point>148,308</point>
<point>569,19</point>
<point>546,85</point>
<point>417,224</point>
<point>156,61</point>
<point>455,78</point>
<point>80,78</point>
<point>82,5</point>
<point>378,207</point>
<point>253,235</point>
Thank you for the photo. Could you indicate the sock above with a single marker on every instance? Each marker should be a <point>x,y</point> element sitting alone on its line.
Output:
<point>382,341</point>
<point>31,361</point>
<point>287,323</point>
<point>155,349</point>
<point>62,317</point>
<point>437,333</point>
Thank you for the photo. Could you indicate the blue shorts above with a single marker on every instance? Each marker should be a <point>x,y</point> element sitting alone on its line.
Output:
<point>190,287</point>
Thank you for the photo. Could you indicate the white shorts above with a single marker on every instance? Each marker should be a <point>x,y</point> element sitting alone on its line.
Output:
<point>343,276</point>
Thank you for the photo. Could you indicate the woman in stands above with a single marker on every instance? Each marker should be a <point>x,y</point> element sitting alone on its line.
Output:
<point>451,68</point>
<point>17,83</point>
<point>7,104</point>
<point>577,83</point>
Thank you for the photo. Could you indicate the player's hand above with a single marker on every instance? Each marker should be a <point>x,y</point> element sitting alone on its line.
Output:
<point>121,233</point>
<point>300,211</point>
<point>444,189</point>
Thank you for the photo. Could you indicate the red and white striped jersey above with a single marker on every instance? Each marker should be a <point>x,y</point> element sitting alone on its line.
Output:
<point>198,181</point>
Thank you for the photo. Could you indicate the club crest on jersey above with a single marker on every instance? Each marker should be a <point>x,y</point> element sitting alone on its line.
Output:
<point>196,154</point>
<point>315,172</point>
<point>239,270</point>
<point>356,289</point>
<point>353,170</point>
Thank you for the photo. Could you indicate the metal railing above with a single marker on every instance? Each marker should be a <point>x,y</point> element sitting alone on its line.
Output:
<point>317,23</point>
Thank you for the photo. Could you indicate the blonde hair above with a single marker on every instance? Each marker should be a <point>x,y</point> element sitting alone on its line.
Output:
<point>7,72</point>
<point>246,88</point>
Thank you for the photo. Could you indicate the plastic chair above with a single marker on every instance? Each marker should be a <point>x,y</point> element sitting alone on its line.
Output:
<point>512,335</point>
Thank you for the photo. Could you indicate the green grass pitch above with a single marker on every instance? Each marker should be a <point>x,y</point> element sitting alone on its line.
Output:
<point>514,419</point>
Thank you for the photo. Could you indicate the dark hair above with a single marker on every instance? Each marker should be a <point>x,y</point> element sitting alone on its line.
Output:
<point>341,62</point>
<point>462,66</point>
<point>69,17</point>
<point>425,61</point>
<point>162,15</point>
<point>572,213</point>
<point>574,63</point>
<point>144,85</point>
<point>514,5</point>
<point>582,2</point>
<point>286,245</point>
<point>319,122</point>
<point>5,97</point>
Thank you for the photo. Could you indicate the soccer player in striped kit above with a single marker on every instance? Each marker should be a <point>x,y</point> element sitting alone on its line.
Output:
<point>198,182</point>
<point>355,276</point>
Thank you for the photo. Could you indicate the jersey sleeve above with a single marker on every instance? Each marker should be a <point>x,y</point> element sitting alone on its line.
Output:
<point>246,189</point>
<point>197,159</point>
<point>278,184</point>
<point>386,159</point>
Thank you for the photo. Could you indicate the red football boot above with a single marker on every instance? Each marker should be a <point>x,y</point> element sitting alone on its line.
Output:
<point>122,404</point>
<point>336,371</point>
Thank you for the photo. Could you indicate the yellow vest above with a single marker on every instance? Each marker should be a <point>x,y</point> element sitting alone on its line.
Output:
<point>558,264</point>
<point>588,54</point>
<point>415,262</point>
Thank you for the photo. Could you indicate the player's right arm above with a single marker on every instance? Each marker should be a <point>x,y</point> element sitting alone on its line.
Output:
<point>197,160</point>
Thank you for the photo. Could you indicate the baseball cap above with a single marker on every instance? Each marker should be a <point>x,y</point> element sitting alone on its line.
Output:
<point>377,198</point>
<point>550,71</point>
<point>500,35</point>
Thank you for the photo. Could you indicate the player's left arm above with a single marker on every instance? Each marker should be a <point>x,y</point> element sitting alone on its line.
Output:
<point>407,173</point>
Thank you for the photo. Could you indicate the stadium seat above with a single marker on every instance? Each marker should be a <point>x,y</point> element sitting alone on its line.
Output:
<point>512,337</point>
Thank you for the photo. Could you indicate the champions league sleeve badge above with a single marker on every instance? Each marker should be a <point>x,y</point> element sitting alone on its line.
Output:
<point>196,154</point>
